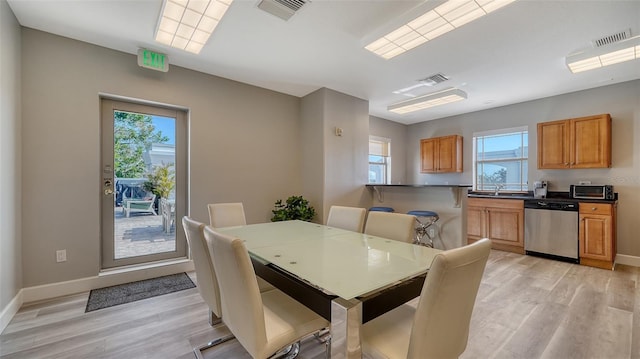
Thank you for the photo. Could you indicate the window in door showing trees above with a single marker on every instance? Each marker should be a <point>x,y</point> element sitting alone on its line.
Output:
<point>500,160</point>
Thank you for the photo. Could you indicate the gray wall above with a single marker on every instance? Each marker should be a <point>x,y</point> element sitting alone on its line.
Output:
<point>397,133</point>
<point>244,146</point>
<point>312,149</point>
<point>622,101</point>
<point>335,167</point>
<point>346,156</point>
<point>10,160</point>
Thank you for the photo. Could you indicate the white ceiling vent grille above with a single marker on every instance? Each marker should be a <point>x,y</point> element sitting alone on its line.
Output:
<point>612,38</point>
<point>434,79</point>
<point>427,81</point>
<point>283,9</point>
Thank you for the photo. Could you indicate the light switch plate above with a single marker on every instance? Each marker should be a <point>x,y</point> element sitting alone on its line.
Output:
<point>61,255</point>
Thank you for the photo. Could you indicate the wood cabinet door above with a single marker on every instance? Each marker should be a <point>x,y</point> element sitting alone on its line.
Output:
<point>553,145</point>
<point>505,226</point>
<point>595,236</point>
<point>475,223</point>
<point>590,142</point>
<point>429,155</point>
<point>449,154</point>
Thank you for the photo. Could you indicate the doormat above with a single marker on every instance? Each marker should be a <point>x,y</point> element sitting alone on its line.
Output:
<point>130,292</point>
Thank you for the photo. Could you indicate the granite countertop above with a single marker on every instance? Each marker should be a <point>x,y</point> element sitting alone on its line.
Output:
<point>555,196</point>
<point>419,185</point>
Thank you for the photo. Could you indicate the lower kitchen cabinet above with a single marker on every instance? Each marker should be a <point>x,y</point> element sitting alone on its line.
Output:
<point>597,236</point>
<point>501,220</point>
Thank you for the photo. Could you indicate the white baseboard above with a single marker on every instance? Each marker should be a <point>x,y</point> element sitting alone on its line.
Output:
<point>109,278</point>
<point>10,310</point>
<point>105,279</point>
<point>628,260</point>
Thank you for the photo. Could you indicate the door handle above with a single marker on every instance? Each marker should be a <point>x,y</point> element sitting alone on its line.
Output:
<point>108,187</point>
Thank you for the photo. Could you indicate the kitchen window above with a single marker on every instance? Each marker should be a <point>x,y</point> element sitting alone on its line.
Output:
<point>500,159</point>
<point>379,160</point>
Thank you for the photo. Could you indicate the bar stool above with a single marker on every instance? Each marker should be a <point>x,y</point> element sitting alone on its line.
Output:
<point>426,219</point>
<point>381,209</point>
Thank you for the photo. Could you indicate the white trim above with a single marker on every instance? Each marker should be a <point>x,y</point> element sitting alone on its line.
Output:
<point>104,279</point>
<point>53,290</point>
<point>628,260</point>
<point>379,138</point>
<point>501,131</point>
<point>10,310</point>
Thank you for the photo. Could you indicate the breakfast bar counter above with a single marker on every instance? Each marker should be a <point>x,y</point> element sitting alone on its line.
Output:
<point>457,190</point>
<point>445,199</point>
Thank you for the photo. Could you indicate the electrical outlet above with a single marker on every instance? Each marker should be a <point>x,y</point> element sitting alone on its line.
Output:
<point>61,255</point>
<point>432,232</point>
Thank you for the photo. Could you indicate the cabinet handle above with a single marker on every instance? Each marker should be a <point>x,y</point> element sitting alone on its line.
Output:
<point>566,163</point>
<point>593,208</point>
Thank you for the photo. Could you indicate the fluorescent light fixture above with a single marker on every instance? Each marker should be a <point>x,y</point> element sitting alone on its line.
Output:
<point>431,100</point>
<point>187,24</point>
<point>597,57</point>
<point>444,18</point>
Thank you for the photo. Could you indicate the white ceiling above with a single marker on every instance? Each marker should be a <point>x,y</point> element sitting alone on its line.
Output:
<point>512,55</point>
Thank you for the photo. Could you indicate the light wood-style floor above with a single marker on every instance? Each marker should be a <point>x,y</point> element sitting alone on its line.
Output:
<point>527,307</point>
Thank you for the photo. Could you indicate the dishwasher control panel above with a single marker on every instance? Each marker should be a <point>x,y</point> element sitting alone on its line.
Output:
<point>551,205</point>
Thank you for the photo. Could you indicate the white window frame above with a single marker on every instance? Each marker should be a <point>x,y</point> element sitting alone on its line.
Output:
<point>477,136</point>
<point>384,151</point>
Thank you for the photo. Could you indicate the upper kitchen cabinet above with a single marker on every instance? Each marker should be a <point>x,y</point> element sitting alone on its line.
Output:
<point>575,143</point>
<point>441,154</point>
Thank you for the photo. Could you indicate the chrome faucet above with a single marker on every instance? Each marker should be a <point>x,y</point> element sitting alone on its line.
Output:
<point>498,188</point>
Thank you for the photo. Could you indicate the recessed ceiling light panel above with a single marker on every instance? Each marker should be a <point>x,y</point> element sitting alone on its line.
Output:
<point>444,18</point>
<point>188,24</point>
<point>621,51</point>
<point>431,100</point>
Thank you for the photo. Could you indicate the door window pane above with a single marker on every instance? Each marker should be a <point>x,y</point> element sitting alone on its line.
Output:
<point>144,163</point>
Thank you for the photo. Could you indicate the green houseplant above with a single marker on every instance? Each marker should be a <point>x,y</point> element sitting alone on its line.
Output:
<point>296,207</point>
<point>161,181</point>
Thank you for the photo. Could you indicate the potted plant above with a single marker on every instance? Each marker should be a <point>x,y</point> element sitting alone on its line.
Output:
<point>161,182</point>
<point>296,207</point>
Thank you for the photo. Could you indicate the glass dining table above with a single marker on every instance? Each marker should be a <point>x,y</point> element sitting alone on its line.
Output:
<point>347,277</point>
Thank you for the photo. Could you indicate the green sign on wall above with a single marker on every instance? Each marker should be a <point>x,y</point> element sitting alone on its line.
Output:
<point>153,60</point>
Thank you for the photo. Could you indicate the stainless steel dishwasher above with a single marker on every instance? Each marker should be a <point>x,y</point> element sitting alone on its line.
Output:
<point>551,229</point>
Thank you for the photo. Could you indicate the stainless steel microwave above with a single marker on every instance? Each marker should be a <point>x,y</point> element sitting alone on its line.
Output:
<point>589,191</point>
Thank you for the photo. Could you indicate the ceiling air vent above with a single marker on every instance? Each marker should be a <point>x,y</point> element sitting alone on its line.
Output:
<point>427,81</point>
<point>612,38</point>
<point>434,79</point>
<point>283,9</point>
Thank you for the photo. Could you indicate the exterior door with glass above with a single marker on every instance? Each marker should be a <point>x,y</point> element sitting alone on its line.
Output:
<point>143,183</point>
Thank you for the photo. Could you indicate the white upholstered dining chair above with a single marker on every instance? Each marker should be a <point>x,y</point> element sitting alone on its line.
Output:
<point>439,326</point>
<point>229,215</point>
<point>207,282</point>
<point>226,215</point>
<point>205,274</point>
<point>396,226</point>
<point>349,218</point>
<point>264,323</point>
